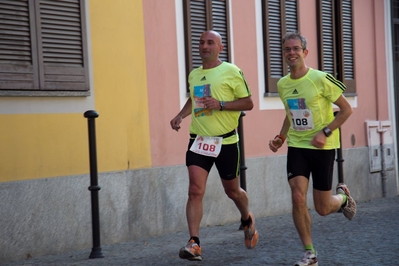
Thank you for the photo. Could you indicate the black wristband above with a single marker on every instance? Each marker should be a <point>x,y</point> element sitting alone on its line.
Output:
<point>222,105</point>
<point>327,131</point>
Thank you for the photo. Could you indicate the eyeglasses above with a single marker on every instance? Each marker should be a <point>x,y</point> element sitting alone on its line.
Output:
<point>296,49</point>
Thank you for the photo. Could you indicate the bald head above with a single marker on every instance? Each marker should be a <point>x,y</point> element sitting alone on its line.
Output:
<point>210,46</point>
<point>213,35</point>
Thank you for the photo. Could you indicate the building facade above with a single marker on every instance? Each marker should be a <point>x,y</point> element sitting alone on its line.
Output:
<point>128,60</point>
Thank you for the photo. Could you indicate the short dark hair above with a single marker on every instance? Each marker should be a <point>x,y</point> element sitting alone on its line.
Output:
<point>295,35</point>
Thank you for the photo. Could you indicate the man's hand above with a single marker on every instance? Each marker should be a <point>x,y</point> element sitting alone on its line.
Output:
<point>319,140</point>
<point>275,144</point>
<point>211,103</point>
<point>175,122</point>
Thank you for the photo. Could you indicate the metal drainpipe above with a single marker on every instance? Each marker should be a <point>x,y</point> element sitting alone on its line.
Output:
<point>377,102</point>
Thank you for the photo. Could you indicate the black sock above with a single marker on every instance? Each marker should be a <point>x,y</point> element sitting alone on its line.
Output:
<point>196,239</point>
<point>247,222</point>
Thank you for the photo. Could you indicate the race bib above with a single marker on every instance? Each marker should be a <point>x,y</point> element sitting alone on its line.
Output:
<point>301,116</point>
<point>302,119</point>
<point>208,146</point>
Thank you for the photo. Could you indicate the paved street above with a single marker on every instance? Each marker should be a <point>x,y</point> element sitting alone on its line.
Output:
<point>372,239</point>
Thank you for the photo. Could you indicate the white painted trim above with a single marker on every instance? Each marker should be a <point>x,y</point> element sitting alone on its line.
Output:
<point>230,30</point>
<point>181,54</point>
<point>390,78</point>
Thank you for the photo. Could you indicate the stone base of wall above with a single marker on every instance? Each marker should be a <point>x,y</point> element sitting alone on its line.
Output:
<point>53,215</point>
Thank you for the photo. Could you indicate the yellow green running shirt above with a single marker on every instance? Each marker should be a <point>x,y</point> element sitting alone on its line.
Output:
<point>308,104</point>
<point>225,82</point>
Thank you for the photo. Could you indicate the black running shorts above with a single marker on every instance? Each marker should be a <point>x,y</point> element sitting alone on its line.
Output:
<point>302,162</point>
<point>227,162</point>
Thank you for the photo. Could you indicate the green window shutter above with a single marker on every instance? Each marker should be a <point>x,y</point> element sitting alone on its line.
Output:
<point>62,48</point>
<point>18,51</point>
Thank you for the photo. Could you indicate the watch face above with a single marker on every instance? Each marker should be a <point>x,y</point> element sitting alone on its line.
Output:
<point>327,131</point>
<point>222,105</point>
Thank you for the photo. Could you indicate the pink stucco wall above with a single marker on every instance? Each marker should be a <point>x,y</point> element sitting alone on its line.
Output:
<point>168,147</point>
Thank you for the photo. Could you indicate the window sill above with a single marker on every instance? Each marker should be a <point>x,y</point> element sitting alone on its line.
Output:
<point>271,94</point>
<point>12,93</point>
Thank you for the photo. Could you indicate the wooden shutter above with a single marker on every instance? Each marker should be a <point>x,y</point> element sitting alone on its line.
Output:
<point>335,41</point>
<point>18,51</point>
<point>43,45</point>
<point>291,16</point>
<point>291,22</point>
<point>219,24</point>
<point>278,17</point>
<point>272,44</point>
<point>200,16</point>
<point>195,25</point>
<point>347,74</point>
<point>62,45</point>
<point>326,36</point>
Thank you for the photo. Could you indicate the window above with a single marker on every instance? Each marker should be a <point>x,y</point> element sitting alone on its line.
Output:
<point>279,16</point>
<point>43,48</point>
<point>335,42</point>
<point>200,16</point>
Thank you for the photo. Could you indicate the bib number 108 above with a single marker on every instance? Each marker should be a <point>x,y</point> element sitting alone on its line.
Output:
<point>300,122</point>
<point>206,147</point>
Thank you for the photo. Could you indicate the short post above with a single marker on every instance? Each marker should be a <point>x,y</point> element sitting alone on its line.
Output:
<point>96,251</point>
<point>340,159</point>
<point>243,168</point>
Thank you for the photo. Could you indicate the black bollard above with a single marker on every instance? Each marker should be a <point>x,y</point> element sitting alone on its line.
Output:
<point>96,251</point>
<point>340,159</point>
<point>243,168</point>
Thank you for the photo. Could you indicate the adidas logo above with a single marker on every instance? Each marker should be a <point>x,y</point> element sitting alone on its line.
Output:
<point>295,92</point>
<point>203,78</point>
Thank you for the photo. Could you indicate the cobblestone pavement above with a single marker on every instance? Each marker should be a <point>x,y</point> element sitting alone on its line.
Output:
<point>371,238</point>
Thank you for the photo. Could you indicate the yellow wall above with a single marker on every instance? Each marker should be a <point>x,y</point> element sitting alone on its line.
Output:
<point>50,145</point>
<point>35,146</point>
<point>120,86</point>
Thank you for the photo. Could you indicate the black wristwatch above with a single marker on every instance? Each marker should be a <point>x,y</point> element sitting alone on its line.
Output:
<point>327,131</point>
<point>222,105</point>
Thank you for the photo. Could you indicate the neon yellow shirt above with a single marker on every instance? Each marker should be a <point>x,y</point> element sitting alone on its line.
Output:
<point>225,82</point>
<point>308,104</point>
